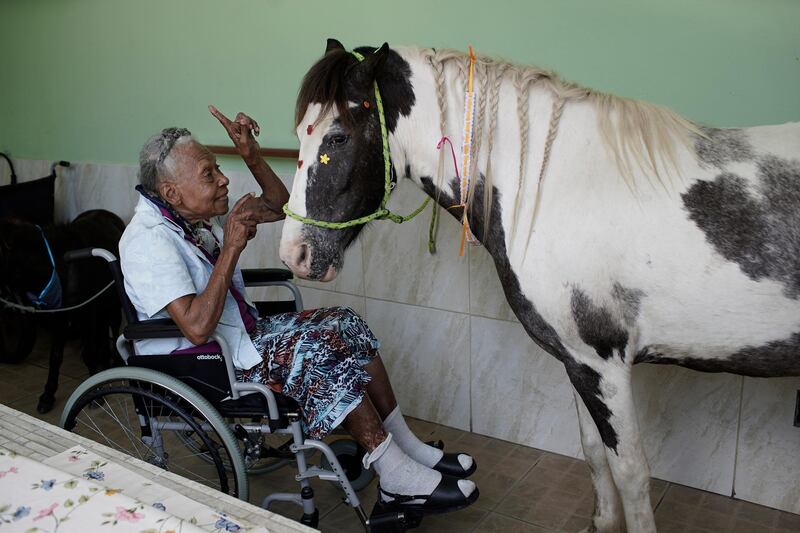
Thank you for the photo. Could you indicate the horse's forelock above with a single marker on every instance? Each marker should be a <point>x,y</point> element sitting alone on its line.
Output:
<point>324,84</point>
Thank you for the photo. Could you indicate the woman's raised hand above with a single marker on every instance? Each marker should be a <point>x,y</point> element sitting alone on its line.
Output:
<point>242,131</point>
<point>241,224</point>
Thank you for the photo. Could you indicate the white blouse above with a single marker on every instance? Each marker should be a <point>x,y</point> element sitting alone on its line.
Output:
<point>160,266</point>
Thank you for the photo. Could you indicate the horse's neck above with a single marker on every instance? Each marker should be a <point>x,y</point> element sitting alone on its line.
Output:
<point>509,146</point>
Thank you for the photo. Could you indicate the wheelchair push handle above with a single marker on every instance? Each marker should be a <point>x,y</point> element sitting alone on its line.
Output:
<point>86,253</point>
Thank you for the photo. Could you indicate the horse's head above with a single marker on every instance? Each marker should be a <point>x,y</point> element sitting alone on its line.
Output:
<point>341,168</point>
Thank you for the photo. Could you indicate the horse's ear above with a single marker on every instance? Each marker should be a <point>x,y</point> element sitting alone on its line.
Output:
<point>333,44</point>
<point>364,73</point>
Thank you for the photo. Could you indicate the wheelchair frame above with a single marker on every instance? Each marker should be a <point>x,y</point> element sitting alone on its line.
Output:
<point>208,395</point>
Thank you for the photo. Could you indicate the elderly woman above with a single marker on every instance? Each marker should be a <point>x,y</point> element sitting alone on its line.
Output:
<point>180,262</point>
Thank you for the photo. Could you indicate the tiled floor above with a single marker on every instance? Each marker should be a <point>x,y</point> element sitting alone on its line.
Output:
<point>522,489</point>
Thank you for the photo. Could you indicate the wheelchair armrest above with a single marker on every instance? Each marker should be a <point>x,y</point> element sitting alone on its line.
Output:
<point>158,328</point>
<point>261,275</point>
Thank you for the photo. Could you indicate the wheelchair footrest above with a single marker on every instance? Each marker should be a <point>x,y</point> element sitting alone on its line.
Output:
<point>392,519</point>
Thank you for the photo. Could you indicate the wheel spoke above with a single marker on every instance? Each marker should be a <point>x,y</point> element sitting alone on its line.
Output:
<point>127,431</point>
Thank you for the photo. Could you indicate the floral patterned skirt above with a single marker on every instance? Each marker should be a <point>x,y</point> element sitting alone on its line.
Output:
<point>315,357</point>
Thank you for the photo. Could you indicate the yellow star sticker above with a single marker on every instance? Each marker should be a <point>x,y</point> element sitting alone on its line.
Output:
<point>324,159</point>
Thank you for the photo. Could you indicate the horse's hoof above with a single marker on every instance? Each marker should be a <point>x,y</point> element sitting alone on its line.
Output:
<point>45,405</point>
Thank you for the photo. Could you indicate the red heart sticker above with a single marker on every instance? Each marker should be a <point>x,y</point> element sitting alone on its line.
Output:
<point>309,129</point>
<point>299,163</point>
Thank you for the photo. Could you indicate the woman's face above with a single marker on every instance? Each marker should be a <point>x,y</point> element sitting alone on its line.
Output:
<point>202,190</point>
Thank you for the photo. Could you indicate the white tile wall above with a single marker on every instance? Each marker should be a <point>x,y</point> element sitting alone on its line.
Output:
<point>519,392</point>
<point>768,462</point>
<point>457,355</point>
<point>398,267</point>
<point>426,352</point>
<point>688,424</point>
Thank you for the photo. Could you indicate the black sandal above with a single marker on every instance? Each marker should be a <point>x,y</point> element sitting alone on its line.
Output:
<point>450,466</point>
<point>445,498</point>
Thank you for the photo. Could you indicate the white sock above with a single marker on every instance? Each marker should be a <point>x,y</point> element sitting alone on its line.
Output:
<point>400,474</point>
<point>418,450</point>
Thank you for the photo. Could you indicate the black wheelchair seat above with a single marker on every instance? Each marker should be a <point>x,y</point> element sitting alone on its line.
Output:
<point>255,405</point>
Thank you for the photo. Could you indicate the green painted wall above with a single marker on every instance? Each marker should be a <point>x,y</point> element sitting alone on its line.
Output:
<point>91,79</point>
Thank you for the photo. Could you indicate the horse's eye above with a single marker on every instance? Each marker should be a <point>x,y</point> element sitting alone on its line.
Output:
<point>337,140</point>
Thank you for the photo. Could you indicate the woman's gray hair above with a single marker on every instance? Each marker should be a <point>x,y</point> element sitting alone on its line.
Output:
<point>154,159</point>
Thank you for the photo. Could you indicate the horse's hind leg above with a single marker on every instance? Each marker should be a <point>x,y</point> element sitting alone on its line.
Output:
<point>607,515</point>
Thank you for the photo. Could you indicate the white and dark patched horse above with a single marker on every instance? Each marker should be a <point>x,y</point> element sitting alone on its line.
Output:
<point>622,233</point>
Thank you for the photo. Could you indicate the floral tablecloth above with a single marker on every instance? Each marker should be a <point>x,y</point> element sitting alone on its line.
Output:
<point>79,491</point>
<point>84,463</point>
<point>35,497</point>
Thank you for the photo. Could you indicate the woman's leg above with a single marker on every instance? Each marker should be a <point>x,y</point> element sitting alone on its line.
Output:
<point>365,426</point>
<point>380,388</point>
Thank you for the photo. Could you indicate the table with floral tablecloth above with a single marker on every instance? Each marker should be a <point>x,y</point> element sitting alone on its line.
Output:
<point>35,497</point>
<point>53,480</point>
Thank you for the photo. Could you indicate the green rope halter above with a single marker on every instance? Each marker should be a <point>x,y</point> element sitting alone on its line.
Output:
<point>382,212</point>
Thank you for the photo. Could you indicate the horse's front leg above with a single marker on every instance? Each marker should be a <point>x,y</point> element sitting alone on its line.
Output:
<point>608,397</point>
<point>607,516</point>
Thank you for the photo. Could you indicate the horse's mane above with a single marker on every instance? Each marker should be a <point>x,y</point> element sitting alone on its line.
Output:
<point>635,131</point>
<point>638,134</point>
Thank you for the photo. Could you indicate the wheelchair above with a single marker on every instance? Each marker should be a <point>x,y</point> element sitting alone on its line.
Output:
<point>188,414</point>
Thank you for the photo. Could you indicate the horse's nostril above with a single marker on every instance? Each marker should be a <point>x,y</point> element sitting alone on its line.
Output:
<point>303,254</point>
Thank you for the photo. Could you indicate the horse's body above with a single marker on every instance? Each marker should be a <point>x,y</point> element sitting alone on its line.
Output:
<point>25,269</point>
<point>703,271</point>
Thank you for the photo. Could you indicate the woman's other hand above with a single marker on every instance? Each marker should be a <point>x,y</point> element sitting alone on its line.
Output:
<point>242,131</point>
<point>241,224</point>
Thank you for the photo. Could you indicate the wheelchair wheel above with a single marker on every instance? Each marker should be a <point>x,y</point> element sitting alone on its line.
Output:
<point>152,416</point>
<point>349,454</point>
